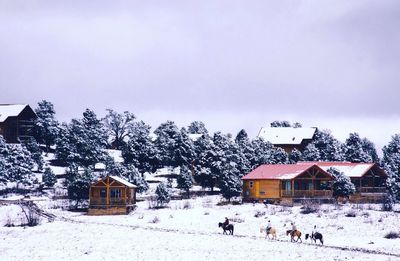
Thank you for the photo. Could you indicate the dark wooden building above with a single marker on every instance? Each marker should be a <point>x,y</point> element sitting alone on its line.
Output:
<point>16,122</point>
<point>111,195</point>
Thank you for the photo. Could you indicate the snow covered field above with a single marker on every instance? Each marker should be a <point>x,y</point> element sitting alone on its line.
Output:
<point>188,230</point>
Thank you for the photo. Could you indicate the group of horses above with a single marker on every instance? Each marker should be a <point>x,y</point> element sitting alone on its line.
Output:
<point>295,236</point>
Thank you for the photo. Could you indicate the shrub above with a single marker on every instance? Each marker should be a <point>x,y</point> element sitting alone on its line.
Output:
<point>155,220</point>
<point>32,218</point>
<point>309,207</point>
<point>351,213</point>
<point>187,205</point>
<point>259,213</point>
<point>392,235</point>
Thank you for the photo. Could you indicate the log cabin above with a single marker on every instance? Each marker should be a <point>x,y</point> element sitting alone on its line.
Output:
<point>288,138</point>
<point>286,182</point>
<point>368,178</point>
<point>16,122</point>
<point>111,195</point>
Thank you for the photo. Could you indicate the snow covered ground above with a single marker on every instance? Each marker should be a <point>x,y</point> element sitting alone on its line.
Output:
<point>188,230</point>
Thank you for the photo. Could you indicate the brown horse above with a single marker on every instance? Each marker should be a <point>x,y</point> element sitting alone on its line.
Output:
<point>293,234</point>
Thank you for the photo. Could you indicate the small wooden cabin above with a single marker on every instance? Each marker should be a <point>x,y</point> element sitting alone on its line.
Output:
<point>368,178</point>
<point>16,122</point>
<point>111,195</point>
<point>286,181</point>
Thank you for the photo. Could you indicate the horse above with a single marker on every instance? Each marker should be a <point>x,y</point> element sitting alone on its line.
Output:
<point>272,232</point>
<point>316,236</point>
<point>228,227</point>
<point>293,234</point>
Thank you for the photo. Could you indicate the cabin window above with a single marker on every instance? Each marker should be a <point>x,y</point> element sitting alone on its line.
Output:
<point>103,193</point>
<point>251,184</point>
<point>115,193</point>
<point>262,192</point>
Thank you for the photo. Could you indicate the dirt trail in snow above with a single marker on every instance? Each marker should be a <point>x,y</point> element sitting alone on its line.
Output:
<point>278,241</point>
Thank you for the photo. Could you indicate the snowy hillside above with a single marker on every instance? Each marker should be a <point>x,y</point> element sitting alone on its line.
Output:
<point>188,230</point>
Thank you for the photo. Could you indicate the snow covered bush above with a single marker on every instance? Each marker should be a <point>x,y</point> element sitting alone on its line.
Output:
<point>392,235</point>
<point>163,194</point>
<point>342,185</point>
<point>49,178</point>
<point>309,207</point>
<point>32,218</point>
<point>351,213</point>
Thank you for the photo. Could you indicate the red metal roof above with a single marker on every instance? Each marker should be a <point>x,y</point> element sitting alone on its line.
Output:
<point>280,171</point>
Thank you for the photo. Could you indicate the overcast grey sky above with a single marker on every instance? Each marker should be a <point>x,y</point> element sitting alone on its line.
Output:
<point>232,64</point>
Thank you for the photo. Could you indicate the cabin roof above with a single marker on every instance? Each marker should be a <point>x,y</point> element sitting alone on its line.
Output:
<point>123,181</point>
<point>280,171</point>
<point>350,169</point>
<point>10,110</point>
<point>286,135</point>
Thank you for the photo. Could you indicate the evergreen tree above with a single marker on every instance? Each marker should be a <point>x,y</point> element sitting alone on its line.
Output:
<point>391,163</point>
<point>185,152</point>
<point>132,175</point>
<point>297,125</point>
<point>311,153</point>
<point>49,178</point>
<point>197,127</point>
<point>295,156</point>
<point>139,150</point>
<point>342,185</point>
<point>230,182</point>
<point>20,166</point>
<point>205,152</point>
<point>118,126</point>
<point>46,125</point>
<point>279,156</point>
<point>82,142</point>
<point>369,148</point>
<point>185,180</point>
<point>354,151</point>
<point>78,184</point>
<point>163,194</point>
<point>329,148</point>
<point>284,124</point>
<point>263,153</point>
<point>36,152</point>
<point>4,165</point>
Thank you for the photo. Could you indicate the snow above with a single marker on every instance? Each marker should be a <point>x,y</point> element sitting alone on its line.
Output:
<point>288,135</point>
<point>10,110</point>
<point>188,230</point>
<point>122,181</point>
<point>353,171</point>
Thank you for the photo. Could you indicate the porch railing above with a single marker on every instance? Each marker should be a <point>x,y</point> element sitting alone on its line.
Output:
<point>371,189</point>
<point>307,193</point>
<point>112,201</point>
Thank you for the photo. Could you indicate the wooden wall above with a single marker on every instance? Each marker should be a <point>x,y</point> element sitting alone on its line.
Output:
<point>261,189</point>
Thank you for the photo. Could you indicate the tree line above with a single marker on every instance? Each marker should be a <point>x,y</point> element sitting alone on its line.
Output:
<point>212,160</point>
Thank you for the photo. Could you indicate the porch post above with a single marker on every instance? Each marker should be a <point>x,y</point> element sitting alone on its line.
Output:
<point>292,187</point>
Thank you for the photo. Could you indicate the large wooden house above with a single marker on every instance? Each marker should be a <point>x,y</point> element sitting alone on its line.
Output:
<point>111,195</point>
<point>368,178</point>
<point>286,182</point>
<point>16,122</point>
<point>288,138</point>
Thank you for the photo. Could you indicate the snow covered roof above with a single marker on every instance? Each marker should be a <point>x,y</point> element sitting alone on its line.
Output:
<point>122,181</point>
<point>286,135</point>
<point>10,110</point>
<point>280,171</point>
<point>352,170</point>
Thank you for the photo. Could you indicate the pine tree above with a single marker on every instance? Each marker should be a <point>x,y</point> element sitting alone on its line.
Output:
<point>166,141</point>
<point>4,165</point>
<point>230,182</point>
<point>46,125</point>
<point>82,142</point>
<point>295,156</point>
<point>20,166</point>
<point>329,148</point>
<point>391,163</point>
<point>185,180</point>
<point>78,184</point>
<point>311,153</point>
<point>139,150</point>
<point>354,151</point>
<point>197,127</point>
<point>342,185</point>
<point>369,148</point>
<point>49,178</point>
<point>184,152</point>
<point>204,151</point>
<point>284,124</point>
<point>132,175</point>
<point>263,153</point>
<point>36,152</point>
<point>163,194</point>
<point>279,156</point>
<point>118,126</point>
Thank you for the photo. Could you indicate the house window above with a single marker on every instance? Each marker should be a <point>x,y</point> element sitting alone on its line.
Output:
<point>115,193</point>
<point>103,193</point>
<point>251,184</point>
<point>262,192</point>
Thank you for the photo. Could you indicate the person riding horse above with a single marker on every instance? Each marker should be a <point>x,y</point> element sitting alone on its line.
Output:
<point>294,228</point>
<point>269,226</point>
<point>226,222</point>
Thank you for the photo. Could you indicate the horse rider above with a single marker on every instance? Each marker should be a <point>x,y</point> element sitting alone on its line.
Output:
<point>294,228</point>
<point>314,231</point>
<point>226,222</point>
<point>269,226</point>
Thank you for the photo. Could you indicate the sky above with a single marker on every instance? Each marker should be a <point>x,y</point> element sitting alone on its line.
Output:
<point>232,64</point>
